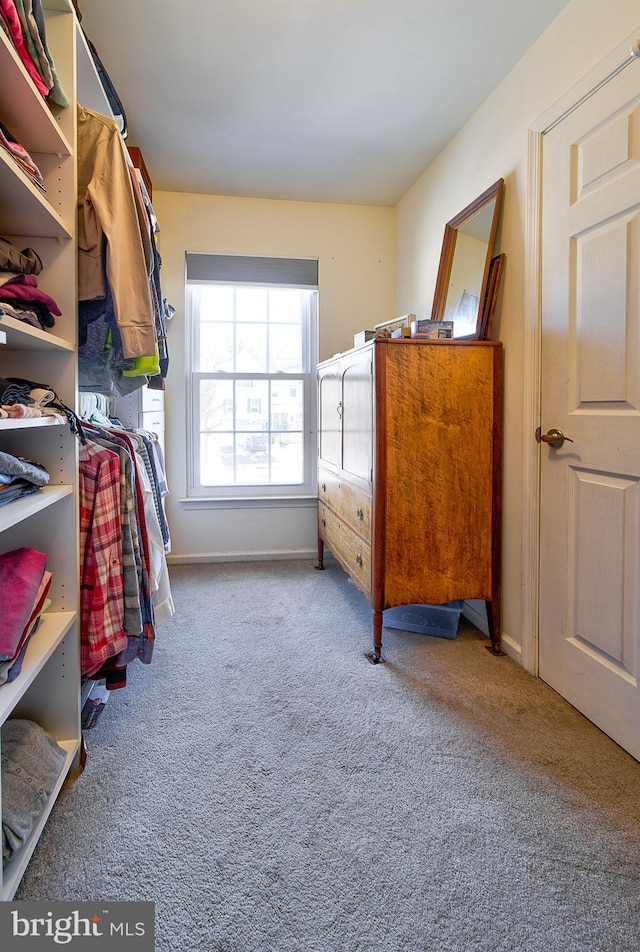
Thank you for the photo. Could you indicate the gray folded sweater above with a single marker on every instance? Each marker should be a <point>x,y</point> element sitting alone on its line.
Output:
<point>31,764</point>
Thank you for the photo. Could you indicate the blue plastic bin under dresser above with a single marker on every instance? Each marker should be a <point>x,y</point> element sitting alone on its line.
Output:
<point>440,620</point>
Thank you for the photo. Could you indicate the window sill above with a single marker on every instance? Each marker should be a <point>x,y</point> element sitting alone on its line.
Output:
<point>249,502</point>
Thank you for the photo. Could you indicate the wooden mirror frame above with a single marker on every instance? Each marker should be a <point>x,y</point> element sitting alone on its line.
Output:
<point>494,192</point>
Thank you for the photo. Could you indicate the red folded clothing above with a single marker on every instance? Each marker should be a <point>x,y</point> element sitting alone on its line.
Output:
<point>21,574</point>
<point>36,610</point>
<point>24,287</point>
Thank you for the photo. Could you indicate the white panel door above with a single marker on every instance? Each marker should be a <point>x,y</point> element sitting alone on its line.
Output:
<point>590,488</point>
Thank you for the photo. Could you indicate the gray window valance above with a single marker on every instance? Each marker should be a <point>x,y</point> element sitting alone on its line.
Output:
<point>252,269</point>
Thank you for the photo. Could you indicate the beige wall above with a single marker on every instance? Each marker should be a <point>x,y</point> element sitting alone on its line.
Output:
<point>494,144</point>
<point>355,248</point>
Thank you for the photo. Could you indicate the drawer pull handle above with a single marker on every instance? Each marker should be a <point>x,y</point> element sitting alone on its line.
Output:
<point>358,559</point>
<point>323,521</point>
<point>324,487</point>
<point>359,513</point>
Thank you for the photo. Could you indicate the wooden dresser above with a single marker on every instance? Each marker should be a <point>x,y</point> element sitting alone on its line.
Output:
<point>409,473</point>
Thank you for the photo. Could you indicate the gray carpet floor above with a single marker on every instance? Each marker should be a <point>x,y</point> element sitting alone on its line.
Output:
<point>271,791</point>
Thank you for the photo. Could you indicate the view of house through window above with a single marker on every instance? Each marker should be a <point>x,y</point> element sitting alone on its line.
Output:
<point>252,386</point>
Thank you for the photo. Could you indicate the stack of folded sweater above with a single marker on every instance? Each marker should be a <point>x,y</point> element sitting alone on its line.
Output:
<point>22,299</point>
<point>24,587</point>
<point>32,761</point>
<point>20,296</point>
<point>19,477</point>
<point>25,27</point>
<point>21,157</point>
<point>21,398</point>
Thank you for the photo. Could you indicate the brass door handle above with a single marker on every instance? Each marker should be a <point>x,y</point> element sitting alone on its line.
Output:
<point>554,437</point>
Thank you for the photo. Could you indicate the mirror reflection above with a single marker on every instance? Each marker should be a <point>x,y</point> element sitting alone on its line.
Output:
<point>464,264</point>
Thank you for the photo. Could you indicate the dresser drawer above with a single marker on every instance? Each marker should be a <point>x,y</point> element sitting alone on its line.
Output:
<point>151,401</point>
<point>349,549</point>
<point>352,505</point>
<point>152,421</point>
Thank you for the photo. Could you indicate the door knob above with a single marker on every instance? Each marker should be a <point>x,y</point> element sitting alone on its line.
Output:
<point>554,437</point>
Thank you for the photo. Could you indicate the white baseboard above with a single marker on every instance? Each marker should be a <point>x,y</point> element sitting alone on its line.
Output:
<point>277,556</point>
<point>512,648</point>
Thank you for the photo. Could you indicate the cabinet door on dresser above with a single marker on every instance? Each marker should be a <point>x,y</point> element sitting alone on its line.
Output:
<point>346,460</point>
<point>357,417</point>
<point>346,415</point>
<point>329,409</point>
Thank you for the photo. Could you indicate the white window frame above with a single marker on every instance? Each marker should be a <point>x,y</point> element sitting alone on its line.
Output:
<point>248,494</point>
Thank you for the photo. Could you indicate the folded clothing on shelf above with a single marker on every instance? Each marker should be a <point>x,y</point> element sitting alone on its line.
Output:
<point>32,761</point>
<point>19,477</point>
<point>19,468</point>
<point>39,398</point>
<point>27,261</point>
<point>11,667</point>
<point>21,574</point>
<point>24,287</point>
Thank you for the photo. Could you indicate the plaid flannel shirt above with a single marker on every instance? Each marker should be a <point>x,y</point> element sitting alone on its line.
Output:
<point>101,592</point>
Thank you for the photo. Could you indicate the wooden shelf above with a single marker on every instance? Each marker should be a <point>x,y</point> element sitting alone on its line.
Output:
<point>23,336</point>
<point>13,426</point>
<point>24,209</point>
<point>29,118</point>
<point>51,631</point>
<point>17,511</point>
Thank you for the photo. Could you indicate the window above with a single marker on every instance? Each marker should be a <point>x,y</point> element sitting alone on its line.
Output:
<point>252,378</point>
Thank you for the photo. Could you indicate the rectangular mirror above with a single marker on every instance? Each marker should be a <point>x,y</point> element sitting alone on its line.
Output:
<point>467,249</point>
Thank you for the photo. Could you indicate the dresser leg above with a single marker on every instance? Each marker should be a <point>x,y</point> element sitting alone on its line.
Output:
<point>493,619</point>
<point>320,564</point>
<point>375,656</point>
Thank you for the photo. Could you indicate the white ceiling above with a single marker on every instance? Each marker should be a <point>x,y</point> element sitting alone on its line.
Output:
<point>315,100</point>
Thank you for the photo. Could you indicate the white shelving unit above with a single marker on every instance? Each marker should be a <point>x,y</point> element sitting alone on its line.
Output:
<point>48,687</point>
<point>143,408</point>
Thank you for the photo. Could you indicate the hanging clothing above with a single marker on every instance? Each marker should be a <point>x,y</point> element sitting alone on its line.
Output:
<point>142,575</point>
<point>107,209</point>
<point>131,558</point>
<point>101,595</point>
<point>161,599</point>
